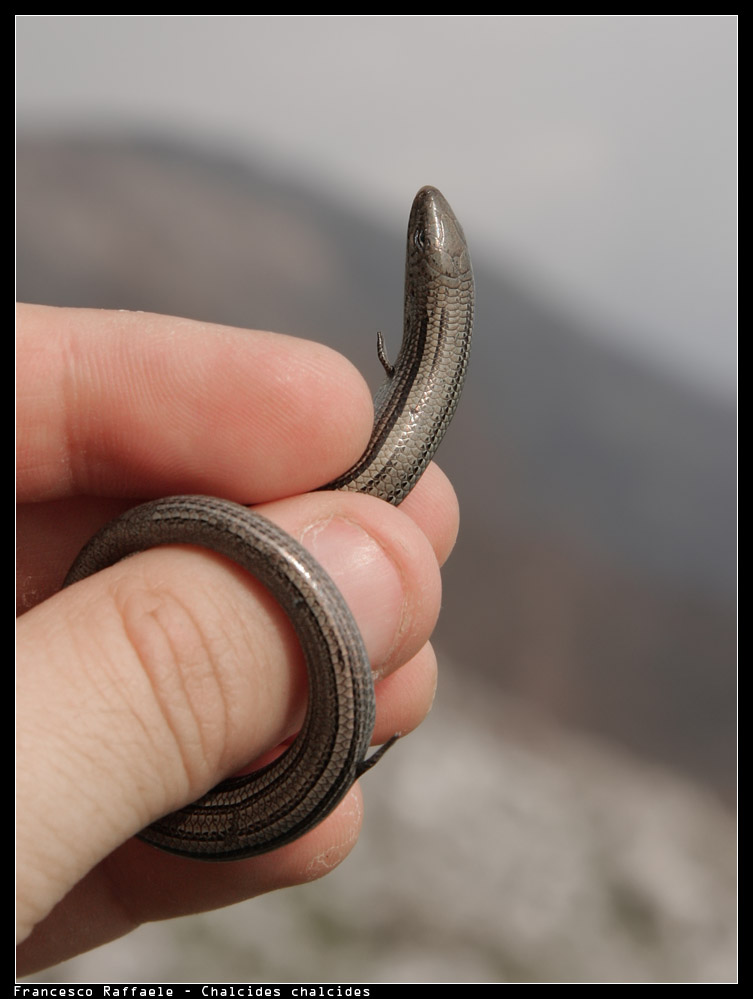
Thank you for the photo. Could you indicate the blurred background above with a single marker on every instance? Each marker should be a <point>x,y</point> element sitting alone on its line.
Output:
<point>565,814</point>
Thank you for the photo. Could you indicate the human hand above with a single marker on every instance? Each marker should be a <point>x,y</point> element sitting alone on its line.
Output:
<point>142,687</point>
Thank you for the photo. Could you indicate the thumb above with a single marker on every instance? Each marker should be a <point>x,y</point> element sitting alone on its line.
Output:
<point>143,686</point>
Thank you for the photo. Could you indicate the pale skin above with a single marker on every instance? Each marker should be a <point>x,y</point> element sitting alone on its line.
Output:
<point>143,686</point>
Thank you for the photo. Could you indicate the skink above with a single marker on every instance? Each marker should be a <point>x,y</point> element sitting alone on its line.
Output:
<point>261,811</point>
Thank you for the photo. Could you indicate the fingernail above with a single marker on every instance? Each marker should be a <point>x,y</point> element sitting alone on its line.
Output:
<point>368,579</point>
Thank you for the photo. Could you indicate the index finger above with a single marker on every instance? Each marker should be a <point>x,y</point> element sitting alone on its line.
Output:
<point>135,404</point>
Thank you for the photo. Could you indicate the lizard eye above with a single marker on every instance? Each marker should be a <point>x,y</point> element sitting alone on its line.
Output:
<point>419,239</point>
